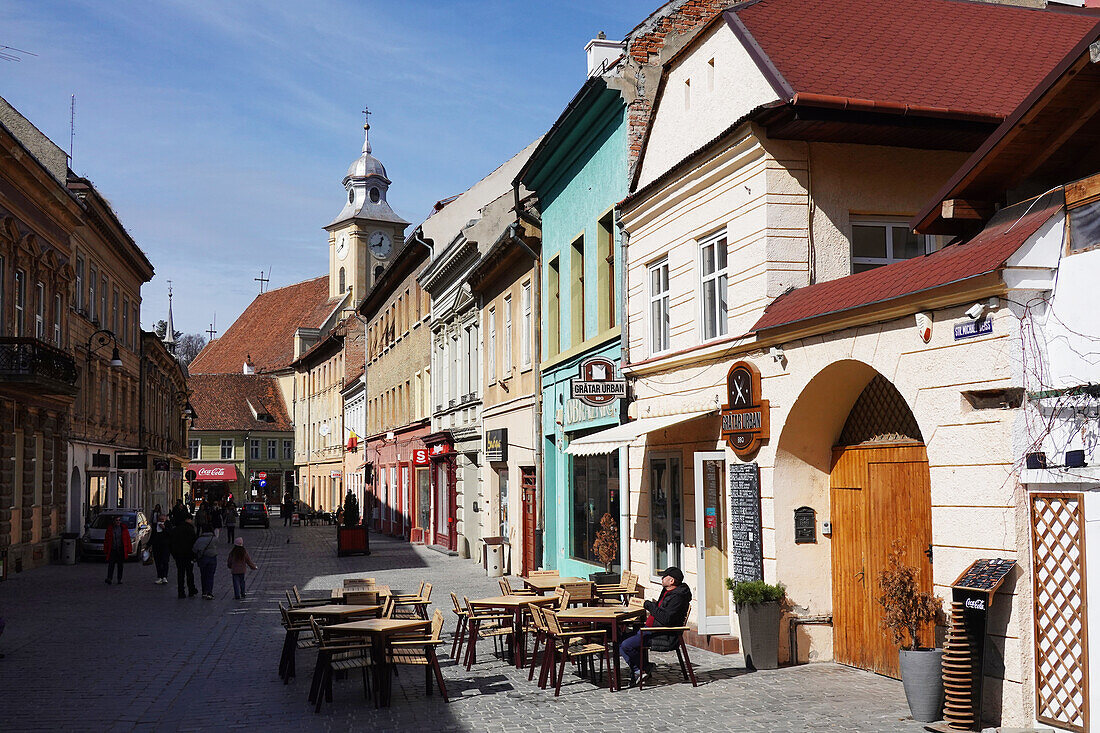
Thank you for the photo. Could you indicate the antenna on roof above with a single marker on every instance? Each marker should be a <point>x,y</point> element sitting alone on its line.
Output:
<point>11,53</point>
<point>262,280</point>
<point>72,126</point>
<point>213,331</point>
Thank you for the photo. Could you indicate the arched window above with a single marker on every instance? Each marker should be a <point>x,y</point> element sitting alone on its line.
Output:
<point>342,280</point>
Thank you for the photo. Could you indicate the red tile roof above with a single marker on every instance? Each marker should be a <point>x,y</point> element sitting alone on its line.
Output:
<point>952,55</point>
<point>265,331</point>
<point>985,253</point>
<point>232,402</point>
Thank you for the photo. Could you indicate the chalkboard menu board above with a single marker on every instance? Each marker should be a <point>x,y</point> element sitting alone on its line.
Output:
<point>985,575</point>
<point>747,547</point>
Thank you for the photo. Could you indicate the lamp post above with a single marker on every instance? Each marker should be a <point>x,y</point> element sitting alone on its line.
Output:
<point>101,337</point>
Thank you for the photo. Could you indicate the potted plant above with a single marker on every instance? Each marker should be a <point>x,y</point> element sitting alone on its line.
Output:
<point>351,536</point>
<point>606,549</point>
<point>759,607</point>
<point>907,610</point>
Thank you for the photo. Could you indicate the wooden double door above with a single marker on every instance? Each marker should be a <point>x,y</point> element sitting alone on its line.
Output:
<point>879,494</point>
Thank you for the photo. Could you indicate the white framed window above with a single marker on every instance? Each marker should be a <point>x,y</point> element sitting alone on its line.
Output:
<point>254,450</point>
<point>20,302</point>
<point>79,285</point>
<point>114,317</point>
<point>57,320</point>
<point>272,450</point>
<point>658,307</point>
<point>103,295</point>
<point>493,344</point>
<point>135,325</point>
<point>288,450</point>
<point>193,446</point>
<point>878,242</point>
<point>713,261</point>
<point>525,346</point>
<point>126,322</point>
<point>93,289</point>
<point>40,311</point>
<point>227,449</point>
<point>507,353</point>
<point>666,505</point>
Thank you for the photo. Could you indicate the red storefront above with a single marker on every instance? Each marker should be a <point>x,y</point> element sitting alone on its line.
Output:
<point>396,481</point>
<point>211,481</point>
<point>441,452</point>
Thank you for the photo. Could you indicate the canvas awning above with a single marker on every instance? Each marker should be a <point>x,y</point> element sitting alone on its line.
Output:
<point>213,471</point>
<point>614,438</point>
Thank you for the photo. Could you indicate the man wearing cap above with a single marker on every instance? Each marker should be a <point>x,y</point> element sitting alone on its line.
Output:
<point>670,609</point>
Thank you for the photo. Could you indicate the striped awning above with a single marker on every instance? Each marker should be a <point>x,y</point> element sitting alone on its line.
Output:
<point>614,438</point>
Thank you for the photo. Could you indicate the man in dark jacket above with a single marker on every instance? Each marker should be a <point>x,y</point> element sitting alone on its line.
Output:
<point>181,542</point>
<point>670,609</point>
<point>179,512</point>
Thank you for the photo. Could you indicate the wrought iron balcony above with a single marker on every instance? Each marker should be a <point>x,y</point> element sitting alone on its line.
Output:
<point>37,367</point>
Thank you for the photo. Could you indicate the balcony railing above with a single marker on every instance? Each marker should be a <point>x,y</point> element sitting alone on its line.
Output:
<point>37,365</point>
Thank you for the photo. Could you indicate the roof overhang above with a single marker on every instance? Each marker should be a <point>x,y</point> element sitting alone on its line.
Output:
<point>620,436</point>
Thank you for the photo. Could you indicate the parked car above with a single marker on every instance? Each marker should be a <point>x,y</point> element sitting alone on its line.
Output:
<point>140,532</point>
<point>254,512</point>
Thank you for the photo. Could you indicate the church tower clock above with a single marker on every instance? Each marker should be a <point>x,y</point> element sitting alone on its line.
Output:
<point>367,232</point>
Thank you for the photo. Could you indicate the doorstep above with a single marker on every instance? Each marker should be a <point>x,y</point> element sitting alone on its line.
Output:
<point>723,644</point>
<point>443,550</point>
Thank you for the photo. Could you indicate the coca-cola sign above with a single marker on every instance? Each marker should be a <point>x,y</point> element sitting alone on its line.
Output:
<point>213,472</point>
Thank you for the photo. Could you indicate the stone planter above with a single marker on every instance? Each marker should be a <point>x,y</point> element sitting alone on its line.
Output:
<point>922,678</point>
<point>760,634</point>
<point>352,539</point>
<point>603,578</point>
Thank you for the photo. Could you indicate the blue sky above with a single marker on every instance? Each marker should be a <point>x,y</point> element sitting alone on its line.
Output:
<point>221,131</point>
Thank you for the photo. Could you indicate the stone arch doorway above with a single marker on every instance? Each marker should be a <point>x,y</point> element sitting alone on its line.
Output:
<point>850,448</point>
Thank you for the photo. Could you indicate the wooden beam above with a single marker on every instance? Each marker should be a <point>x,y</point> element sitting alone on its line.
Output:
<point>967,209</point>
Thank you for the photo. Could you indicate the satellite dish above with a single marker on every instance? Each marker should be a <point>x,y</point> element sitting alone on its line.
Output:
<point>324,429</point>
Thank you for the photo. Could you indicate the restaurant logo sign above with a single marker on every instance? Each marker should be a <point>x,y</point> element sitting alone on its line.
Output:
<point>597,386</point>
<point>440,449</point>
<point>496,445</point>
<point>745,424</point>
<point>420,457</point>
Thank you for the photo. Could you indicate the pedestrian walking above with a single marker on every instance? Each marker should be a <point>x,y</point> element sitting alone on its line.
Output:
<point>202,517</point>
<point>287,510</point>
<point>179,513</point>
<point>238,564</point>
<point>217,514</point>
<point>117,547</point>
<point>206,554</point>
<point>160,544</point>
<point>231,521</point>
<point>181,544</point>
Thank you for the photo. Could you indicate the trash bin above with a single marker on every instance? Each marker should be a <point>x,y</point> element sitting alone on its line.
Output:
<point>494,556</point>
<point>68,548</point>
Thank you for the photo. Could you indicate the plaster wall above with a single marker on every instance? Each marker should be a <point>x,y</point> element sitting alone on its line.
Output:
<point>713,85</point>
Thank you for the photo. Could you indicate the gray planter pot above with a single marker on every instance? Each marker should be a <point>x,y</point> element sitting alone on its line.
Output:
<point>760,634</point>
<point>922,678</point>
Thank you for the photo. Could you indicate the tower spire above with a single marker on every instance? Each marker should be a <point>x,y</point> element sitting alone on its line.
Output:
<point>170,329</point>
<point>366,130</point>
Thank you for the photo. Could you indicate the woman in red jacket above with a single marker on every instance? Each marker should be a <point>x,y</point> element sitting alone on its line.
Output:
<point>117,547</point>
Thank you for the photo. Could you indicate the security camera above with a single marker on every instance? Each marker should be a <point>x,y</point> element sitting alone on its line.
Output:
<point>975,311</point>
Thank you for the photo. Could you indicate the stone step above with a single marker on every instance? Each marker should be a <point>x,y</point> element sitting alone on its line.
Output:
<point>716,643</point>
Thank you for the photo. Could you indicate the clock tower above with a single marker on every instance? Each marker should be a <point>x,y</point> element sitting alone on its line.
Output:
<point>365,235</point>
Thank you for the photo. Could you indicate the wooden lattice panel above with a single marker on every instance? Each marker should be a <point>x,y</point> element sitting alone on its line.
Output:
<point>1061,640</point>
<point>880,415</point>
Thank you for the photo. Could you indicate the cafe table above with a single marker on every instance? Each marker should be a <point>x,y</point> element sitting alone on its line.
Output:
<point>337,611</point>
<point>378,629</point>
<point>545,583</point>
<point>515,604</point>
<point>603,616</point>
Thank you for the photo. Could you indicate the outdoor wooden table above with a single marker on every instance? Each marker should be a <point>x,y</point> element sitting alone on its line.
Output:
<point>545,583</point>
<point>605,616</point>
<point>335,611</point>
<point>517,605</point>
<point>378,629</point>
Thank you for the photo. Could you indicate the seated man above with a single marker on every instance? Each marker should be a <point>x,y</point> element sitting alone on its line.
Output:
<point>670,609</point>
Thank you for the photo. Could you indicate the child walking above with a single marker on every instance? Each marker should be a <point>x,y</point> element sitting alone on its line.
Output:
<point>238,563</point>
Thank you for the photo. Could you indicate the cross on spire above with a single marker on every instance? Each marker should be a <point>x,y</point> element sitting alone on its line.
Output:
<point>262,280</point>
<point>366,129</point>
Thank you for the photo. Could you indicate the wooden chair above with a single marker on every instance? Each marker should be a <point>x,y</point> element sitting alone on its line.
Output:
<point>361,597</point>
<point>421,651</point>
<point>574,645</point>
<point>580,594</point>
<point>462,616</point>
<point>542,636</point>
<point>667,639</point>
<point>613,594</point>
<point>563,598</point>
<point>419,603</point>
<point>507,589</point>
<point>418,594</point>
<point>300,602</point>
<point>484,625</point>
<point>337,656</point>
<point>299,635</point>
<point>387,608</point>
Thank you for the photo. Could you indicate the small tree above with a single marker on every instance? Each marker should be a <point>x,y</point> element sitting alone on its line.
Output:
<point>351,510</point>
<point>606,546</point>
<point>907,609</point>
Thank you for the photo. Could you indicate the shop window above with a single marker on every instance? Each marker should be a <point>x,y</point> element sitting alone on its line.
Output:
<point>658,307</point>
<point>713,286</point>
<point>595,493</point>
<point>881,242</point>
<point>502,483</point>
<point>193,448</point>
<point>666,510</point>
<point>227,449</point>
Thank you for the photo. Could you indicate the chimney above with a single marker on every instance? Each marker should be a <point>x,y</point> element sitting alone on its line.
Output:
<point>602,52</point>
<point>248,369</point>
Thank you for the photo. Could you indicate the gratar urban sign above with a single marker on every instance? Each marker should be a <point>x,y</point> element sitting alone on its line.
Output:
<point>597,385</point>
<point>745,424</point>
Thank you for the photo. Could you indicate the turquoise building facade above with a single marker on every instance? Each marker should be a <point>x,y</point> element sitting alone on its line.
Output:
<point>579,173</point>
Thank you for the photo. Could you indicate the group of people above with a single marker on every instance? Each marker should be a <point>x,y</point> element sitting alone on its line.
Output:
<point>194,540</point>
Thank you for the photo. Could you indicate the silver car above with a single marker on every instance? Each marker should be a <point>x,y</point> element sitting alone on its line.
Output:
<point>135,521</point>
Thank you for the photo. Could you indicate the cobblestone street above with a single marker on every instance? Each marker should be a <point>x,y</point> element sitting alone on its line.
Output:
<point>83,655</point>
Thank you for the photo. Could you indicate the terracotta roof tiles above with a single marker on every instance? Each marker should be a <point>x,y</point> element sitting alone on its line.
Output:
<point>234,401</point>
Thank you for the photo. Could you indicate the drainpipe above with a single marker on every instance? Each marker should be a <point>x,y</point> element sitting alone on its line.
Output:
<point>417,237</point>
<point>624,342</point>
<point>141,415</point>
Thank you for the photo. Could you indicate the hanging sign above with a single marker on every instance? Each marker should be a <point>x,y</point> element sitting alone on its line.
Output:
<point>441,449</point>
<point>420,457</point>
<point>745,416</point>
<point>496,445</point>
<point>597,385</point>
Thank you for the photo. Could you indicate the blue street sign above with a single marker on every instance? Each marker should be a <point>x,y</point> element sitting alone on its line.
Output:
<point>263,482</point>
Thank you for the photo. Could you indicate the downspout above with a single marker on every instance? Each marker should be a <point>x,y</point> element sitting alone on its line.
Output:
<point>536,357</point>
<point>141,415</point>
<point>624,341</point>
